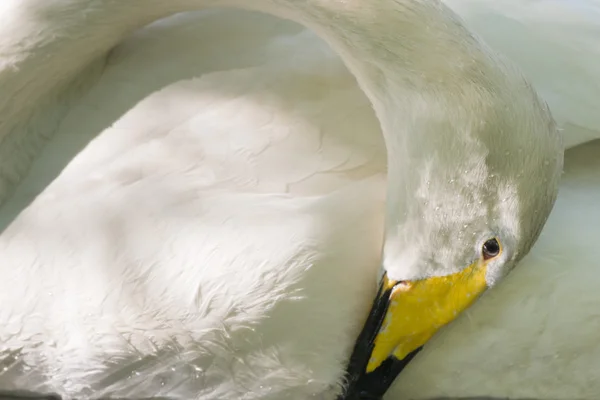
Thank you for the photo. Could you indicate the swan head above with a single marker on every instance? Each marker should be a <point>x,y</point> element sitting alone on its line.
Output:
<point>470,187</point>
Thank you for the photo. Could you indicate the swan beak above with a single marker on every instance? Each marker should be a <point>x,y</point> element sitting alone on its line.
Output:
<point>404,316</point>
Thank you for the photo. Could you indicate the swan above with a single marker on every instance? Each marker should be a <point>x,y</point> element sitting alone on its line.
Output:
<point>119,307</point>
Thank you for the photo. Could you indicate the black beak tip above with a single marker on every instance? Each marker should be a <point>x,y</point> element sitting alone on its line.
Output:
<point>374,385</point>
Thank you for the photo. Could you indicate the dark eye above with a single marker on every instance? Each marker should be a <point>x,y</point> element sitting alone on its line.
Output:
<point>490,249</point>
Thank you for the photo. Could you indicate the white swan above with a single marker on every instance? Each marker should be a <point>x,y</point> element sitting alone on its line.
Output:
<point>101,314</point>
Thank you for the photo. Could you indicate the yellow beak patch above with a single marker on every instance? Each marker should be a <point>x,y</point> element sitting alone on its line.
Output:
<point>417,309</point>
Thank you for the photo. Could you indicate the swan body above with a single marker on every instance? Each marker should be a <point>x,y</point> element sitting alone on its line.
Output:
<point>153,201</point>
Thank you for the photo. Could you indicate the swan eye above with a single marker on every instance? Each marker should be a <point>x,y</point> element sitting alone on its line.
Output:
<point>490,249</point>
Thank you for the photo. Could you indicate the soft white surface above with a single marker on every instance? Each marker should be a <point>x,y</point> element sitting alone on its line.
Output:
<point>164,121</point>
<point>158,162</point>
<point>549,40</point>
<point>555,43</point>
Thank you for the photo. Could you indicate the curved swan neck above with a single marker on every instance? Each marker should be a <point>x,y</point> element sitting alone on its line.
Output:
<point>381,41</point>
<point>46,43</point>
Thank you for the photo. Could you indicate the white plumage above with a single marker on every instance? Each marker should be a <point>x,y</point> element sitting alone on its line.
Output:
<point>305,112</point>
<point>555,43</point>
